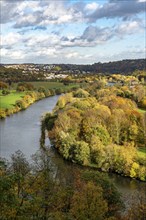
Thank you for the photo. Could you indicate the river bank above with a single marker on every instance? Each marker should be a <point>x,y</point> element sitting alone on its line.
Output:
<point>16,101</point>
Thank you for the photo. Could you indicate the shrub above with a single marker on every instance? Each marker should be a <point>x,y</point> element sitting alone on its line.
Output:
<point>59,91</point>
<point>41,89</point>
<point>5,92</point>
<point>20,88</point>
<point>21,104</point>
<point>2,113</point>
<point>3,85</point>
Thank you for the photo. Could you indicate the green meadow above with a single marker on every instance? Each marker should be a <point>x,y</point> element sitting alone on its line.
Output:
<point>51,85</point>
<point>8,101</point>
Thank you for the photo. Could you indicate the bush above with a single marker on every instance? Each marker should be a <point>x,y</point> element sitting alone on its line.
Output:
<point>2,113</point>
<point>59,91</point>
<point>41,89</point>
<point>9,111</point>
<point>5,92</point>
<point>52,92</point>
<point>3,85</point>
<point>20,88</point>
<point>25,86</point>
<point>21,104</point>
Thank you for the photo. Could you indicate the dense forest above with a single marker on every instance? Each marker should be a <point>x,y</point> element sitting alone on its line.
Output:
<point>123,67</point>
<point>15,75</point>
<point>101,127</point>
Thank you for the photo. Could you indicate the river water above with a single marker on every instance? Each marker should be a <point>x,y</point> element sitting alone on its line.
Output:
<point>21,131</point>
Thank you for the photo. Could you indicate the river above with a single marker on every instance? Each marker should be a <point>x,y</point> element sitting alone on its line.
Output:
<point>21,131</point>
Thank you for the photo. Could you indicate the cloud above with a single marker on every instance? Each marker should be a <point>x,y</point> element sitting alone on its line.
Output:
<point>8,11</point>
<point>114,8</point>
<point>46,52</point>
<point>13,11</point>
<point>52,12</point>
<point>128,28</point>
<point>67,29</point>
<point>10,39</point>
<point>92,33</point>
<point>43,13</point>
<point>92,36</point>
<point>42,41</point>
<point>141,0</point>
<point>91,6</point>
<point>39,28</point>
<point>12,54</point>
<point>127,54</point>
<point>28,20</point>
<point>72,55</point>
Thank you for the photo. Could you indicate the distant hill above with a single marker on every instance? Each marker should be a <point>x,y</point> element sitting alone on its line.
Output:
<point>122,67</point>
<point>33,72</point>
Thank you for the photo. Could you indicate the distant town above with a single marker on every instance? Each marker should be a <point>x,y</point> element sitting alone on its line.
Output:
<point>42,72</point>
<point>47,71</point>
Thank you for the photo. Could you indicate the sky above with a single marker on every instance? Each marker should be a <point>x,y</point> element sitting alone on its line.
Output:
<point>72,31</point>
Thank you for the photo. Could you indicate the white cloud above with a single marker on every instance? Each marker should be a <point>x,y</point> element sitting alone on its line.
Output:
<point>17,54</point>
<point>72,55</point>
<point>62,14</point>
<point>10,39</point>
<point>12,54</point>
<point>41,41</point>
<point>4,52</point>
<point>46,52</point>
<point>129,27</point>
<point>141,0</point>
<point>92,6</point>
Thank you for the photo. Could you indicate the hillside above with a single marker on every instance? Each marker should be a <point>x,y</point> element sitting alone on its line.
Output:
<point>123,66</point>
<point>37,72</point>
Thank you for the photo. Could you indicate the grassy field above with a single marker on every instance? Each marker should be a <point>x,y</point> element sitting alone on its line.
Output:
<point>50,85</point>
<point>8,101</point>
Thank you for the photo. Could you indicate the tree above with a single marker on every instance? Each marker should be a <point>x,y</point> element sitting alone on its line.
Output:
<point>80,93</point>
<point>117,123</point>
<point>81,152</point>
<point>8,198</point>
<point>20,167</point>
<point>3,85</point>
<point>41,89</point>
<point>88,203</point>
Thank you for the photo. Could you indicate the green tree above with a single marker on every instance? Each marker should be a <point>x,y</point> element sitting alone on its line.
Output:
<point>81,152</point>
